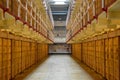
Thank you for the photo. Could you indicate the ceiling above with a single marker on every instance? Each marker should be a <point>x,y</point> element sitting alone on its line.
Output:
<point>59,14</point>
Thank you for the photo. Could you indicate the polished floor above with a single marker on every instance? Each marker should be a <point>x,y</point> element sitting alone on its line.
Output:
<point>59,67</point>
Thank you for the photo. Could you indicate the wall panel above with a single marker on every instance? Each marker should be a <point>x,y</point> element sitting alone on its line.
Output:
<point>6,59</point>
<point>1,60</point>
<point>101,55</point>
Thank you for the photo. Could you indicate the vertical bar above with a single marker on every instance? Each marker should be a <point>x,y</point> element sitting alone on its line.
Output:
<point>103,3</point>
<point>93,8</point>
<point>88,17</point>
<point>35,19</point>
<point>31,13</point>
<point>8,4</point>
<point>19,7</point>
<point>26,11</point>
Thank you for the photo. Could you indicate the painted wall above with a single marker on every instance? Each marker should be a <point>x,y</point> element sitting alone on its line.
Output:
<point>59,48</point>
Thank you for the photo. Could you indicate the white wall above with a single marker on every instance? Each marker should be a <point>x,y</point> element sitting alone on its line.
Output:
<point>59,23</point>
<point>60,40</point>
<point>59,48</point>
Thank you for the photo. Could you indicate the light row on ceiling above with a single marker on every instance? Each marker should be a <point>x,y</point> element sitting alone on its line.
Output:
<point>60,2</point>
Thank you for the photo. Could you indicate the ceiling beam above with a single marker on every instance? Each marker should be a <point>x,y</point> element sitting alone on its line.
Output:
<point>59,11</point>
<point>59,14</point>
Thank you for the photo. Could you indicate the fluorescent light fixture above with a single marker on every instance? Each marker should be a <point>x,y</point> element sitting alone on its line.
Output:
<point>59,0</point>
<point>60,3</point>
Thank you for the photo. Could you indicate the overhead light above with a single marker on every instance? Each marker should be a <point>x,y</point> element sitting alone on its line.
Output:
<point>59,0</point>
<point>60,3</point>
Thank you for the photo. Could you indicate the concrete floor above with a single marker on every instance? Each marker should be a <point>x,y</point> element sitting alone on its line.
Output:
<point>59,67</point>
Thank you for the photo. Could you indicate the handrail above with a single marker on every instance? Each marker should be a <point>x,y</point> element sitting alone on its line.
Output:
<point>32,13</point>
